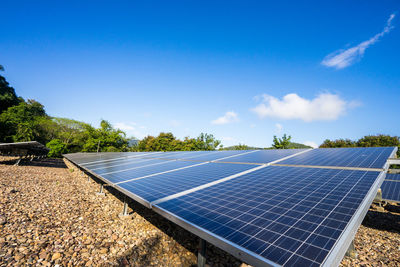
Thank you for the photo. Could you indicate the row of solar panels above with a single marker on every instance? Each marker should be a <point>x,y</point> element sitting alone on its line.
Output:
<point>391,187</point>
<point>241,202</point>
<point>365,157</point>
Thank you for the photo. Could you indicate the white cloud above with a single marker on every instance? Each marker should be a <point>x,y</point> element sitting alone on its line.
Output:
<point>325,106</point>
<point>278,127</point>
<point>344,58</point>
<point>229,117</point>
<point>311,144</point>
<point>131,129</point>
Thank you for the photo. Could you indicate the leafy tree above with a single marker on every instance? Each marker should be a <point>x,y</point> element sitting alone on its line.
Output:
<point>168,142</point>
<point>378,140</point>
<point>281,143</point>
<point>57,148</point>
<point>207,142</point>
<point>105,138</point>
<point>8,98</point>
<point>338,143</point>
<point>21,122</point>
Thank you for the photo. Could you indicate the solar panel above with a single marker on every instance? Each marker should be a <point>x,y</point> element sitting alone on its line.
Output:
<point>279,215</point>
<point>365,157</point>
<point>31,148</point>
<point>391,190</point>
<point>115,167</point>
<point>135,172</point>
<point>162,185</point>
<point>93,158</point>
<point>263,156</point>
<point>393,176</point>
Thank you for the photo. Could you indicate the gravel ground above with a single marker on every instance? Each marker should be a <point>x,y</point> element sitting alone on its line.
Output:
<point>50,214</point>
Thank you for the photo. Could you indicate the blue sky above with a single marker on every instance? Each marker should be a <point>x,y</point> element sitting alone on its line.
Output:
<point>243,71</point>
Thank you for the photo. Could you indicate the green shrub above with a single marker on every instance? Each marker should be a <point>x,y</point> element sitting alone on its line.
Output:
<point>57,148</point>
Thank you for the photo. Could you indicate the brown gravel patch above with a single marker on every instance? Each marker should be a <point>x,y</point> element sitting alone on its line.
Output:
<point>51,214</point>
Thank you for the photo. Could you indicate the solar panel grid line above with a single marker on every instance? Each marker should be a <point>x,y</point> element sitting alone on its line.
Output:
<point>158,201</point>
<point>163,185</point>
<point>102,161</point>
<point>133,168</point>
<point>269,162</point>
<point>330,167</point>
<point>337,253</point>
<point>122,164</point>
<point>377,157</point>
<point>110,161</point>
<point>226,245</point>
<point>134,179</point>
<point>392,177</point>
<point>281,215</point>
<point>158,173</point>
<point>258,217</point>
<point>369,157</point>
<point>391,190</point>
<point>327,215</point>
<point>393,155</point>
<point>240,154</point>
<point>350,174</point>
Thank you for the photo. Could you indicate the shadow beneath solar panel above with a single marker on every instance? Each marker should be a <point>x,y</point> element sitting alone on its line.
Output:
<point>215,256</point>
<point>389,220</point>
<point>45,162</point>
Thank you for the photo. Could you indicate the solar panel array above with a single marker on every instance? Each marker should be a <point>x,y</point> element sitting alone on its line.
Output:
<point>391,187</point>
<point>241,202</point>
<point>364,157</point>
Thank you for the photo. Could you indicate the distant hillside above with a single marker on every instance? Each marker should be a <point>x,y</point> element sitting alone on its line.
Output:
<point>298,145</point>
<point>240,147</point>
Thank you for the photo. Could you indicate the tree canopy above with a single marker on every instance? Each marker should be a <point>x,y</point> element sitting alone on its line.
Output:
<point>281,143</point>
<point>379,140</point>
<point>8,98</point>
<point>168,142</point>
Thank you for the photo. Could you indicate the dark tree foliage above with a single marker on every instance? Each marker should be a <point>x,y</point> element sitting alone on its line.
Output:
<point>378,140</point>
<point>338,143</point>
<point>8,98</point>
<point>20,122</point>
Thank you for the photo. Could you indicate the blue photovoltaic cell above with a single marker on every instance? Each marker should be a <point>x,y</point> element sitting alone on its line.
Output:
<point>162,185</point>
<point>391,190</point>
<point>291,216</point>
<point>393,176</point>
<point>125,166</point>
<point>263,156</point>
<point>366,157</point>
<point>87,159</point>
<point>157,167</point>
